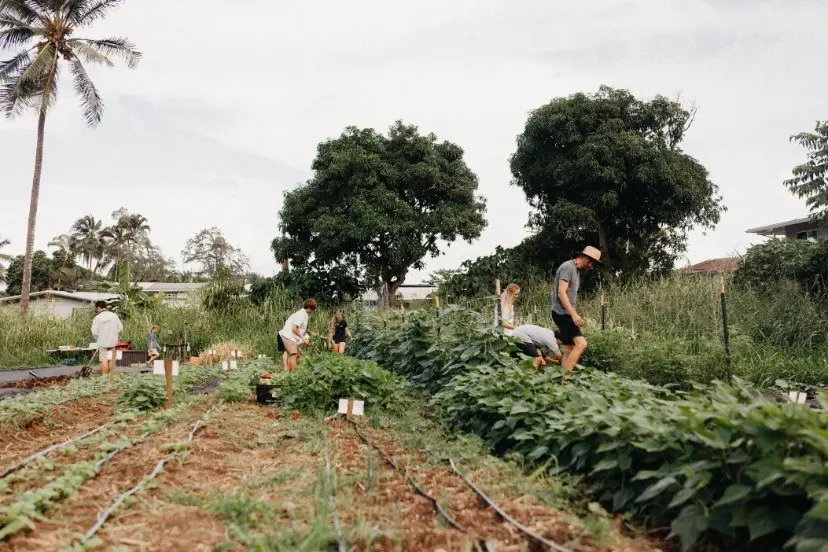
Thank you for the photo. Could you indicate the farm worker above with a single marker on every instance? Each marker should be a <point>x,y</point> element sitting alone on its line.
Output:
<point>105,329</point>
<point>507,307</point>
<point>535,340</point>
<point>337,332</point>
<point>152,346</point>
<point>295,333</point>
<point>564,297</point>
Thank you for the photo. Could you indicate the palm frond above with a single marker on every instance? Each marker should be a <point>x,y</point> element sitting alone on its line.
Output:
<point>88,53</point>
<point>116,47</point>
<point>91,102</point>
<point>23,10</point>
<point>14,32</point>
<point>14,65</point>
<point>27,88</point>
<point>91,11</point>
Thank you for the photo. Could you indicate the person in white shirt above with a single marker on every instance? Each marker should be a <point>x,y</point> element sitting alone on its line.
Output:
<point>105,329</point>
<point>295,333</point>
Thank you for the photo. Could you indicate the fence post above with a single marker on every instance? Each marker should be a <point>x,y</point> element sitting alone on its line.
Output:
<point>168,370</point>
<point>603,312</point>
<point>725,329</point>
<point>496,300</point>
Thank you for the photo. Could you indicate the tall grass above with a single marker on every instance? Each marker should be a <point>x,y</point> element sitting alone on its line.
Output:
<point>23,343</point>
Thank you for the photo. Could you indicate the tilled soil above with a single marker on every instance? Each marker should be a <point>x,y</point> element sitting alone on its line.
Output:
<point>254,479</point>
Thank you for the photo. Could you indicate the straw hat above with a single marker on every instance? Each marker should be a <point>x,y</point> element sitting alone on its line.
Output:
<point>592,252</point>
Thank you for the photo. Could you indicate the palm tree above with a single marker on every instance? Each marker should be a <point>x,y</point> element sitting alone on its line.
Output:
<point>116,239</point>
<point>64,244</point>
<point>4,258</point>
<point>87,241</point>
<point>44,30</point>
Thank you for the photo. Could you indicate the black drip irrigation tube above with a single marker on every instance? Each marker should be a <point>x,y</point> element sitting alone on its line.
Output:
<point>535,538</point>
<point>480,543</point>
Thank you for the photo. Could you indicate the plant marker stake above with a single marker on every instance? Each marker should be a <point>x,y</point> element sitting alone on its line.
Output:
<point>603,312</point>
<point>168,371</point>
<point>437,300</point>
<point>726,331</point>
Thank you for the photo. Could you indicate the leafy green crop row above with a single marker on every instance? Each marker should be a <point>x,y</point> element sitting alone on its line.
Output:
<point>718,461</point>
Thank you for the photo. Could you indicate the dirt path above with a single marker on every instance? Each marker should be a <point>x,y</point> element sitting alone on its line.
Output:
<point>253,479</point>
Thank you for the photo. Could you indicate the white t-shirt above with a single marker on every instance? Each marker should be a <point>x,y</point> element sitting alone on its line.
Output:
<point>299,318</point>
<point>508,314</point>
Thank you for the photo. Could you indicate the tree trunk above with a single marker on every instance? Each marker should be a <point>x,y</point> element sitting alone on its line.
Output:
<point>30,234</point>
<point>394,285</point>
<point>603,244</point>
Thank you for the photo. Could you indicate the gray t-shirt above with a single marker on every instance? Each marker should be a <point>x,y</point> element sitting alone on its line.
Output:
<point>540,337</point>
<point>567,272</point>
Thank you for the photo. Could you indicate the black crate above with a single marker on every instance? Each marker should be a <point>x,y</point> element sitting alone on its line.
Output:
<point>263,394</point>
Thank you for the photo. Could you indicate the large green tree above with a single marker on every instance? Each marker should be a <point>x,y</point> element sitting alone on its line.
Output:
<point>43,273</point>
<point>43,34</point>
<point>215,256</point>
<point>382,203</point>
<point>607,169</point>
<point>810,180</point>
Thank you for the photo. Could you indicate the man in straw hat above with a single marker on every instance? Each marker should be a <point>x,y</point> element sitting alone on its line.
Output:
<point>564,297</point>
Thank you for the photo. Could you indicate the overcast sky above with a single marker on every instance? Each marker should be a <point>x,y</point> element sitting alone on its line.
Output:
<point>226,109</point>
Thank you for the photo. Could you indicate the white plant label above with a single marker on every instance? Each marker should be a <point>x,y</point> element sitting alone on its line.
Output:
<point>357,407</point>
<point>158,367</point>
<point>233,364</point>
<point>797,397</point>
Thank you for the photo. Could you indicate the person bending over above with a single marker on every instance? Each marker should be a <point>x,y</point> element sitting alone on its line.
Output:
<point>535,340</point>
<point>295,334</point>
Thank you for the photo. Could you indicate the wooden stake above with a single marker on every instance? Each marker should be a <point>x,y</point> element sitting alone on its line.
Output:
<point>437,300</point>
<point>350,408</point>
<point>168,372</point>
<point>497,287</point>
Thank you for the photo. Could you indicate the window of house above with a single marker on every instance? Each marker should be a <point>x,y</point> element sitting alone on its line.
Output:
<point>807,235</point>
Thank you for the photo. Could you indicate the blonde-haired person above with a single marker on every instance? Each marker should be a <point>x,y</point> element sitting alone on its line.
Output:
<point>507,307</point>
<point>337,332</point>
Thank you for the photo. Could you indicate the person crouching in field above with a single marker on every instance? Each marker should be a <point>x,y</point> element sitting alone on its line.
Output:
<point>535,340</point>
<point>105,329</point>
<point>337,332</point>
<point>564,298</point>
<point>295,334</point>
<point>152,346</point>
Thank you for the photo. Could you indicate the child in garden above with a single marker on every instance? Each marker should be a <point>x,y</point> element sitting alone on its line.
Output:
<point>337,332</point>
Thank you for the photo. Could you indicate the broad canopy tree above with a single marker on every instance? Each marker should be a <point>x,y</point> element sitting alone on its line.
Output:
<point>607,168</point>
<point>380,204</point>
<point>810,180</point>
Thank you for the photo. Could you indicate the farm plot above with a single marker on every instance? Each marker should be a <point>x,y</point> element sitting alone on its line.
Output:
<point>242,476</point>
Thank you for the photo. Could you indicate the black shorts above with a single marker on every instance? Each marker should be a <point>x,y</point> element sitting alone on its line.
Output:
<point>568,330</point>
<point>528,349</point>
<point>281,346</point>
<point>339,339</point>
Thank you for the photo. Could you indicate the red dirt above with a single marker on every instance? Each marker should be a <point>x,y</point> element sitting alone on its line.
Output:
<point>37,383</point>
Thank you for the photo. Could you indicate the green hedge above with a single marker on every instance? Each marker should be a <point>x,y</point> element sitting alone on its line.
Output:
<point>718,462</point>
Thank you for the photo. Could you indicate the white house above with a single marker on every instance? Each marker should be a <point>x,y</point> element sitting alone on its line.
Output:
<point>797,229</point>
<point>59,304</point>
<point>174,293</point>
<point>406,292</point>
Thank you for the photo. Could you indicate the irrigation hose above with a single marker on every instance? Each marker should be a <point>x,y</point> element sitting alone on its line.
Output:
<point>340,543</point>
<point>531,535</point>
<point>46,451</point>
<point>480,543</point>
<point>105,515</point>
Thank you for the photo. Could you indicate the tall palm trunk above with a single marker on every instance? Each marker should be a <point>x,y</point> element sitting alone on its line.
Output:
<point>30,232</point>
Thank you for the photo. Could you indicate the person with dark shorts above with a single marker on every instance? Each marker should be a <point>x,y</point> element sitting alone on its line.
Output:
<point>337,333</point>
<point>564,298</point>
<point>535,341</point>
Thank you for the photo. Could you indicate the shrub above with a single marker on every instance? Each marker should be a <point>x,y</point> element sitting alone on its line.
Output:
<point>803,261</point>
<point>320,381</point>
<point>147,394</point>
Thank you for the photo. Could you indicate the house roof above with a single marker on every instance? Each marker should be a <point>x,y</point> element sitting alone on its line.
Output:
<point>164,287</point>
<point>771,228</point>
<point>408,292</point>
<point>84,296</point>
<point>713,266</point>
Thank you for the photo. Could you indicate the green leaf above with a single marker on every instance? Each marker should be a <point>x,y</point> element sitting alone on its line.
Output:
<point>689,525</point>
<point>605,464</point>
<point>733,494</point>
<point>656,489</point>
<point>622,498</point>
<point>682,496</point>
<point>761,522</point>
